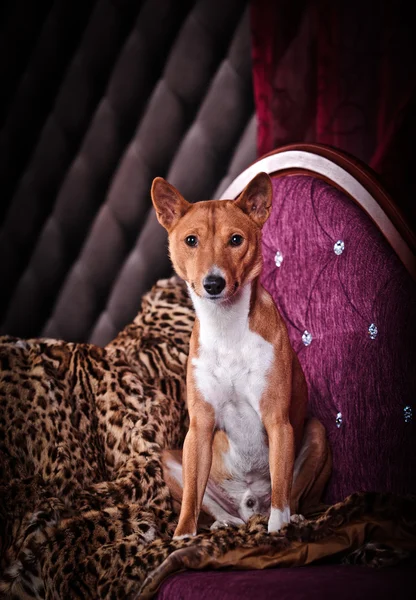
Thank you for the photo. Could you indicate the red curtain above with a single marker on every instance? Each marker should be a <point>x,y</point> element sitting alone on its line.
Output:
<point>341,73</point>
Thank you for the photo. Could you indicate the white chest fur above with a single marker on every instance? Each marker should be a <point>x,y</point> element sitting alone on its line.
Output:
<point>231,374</point>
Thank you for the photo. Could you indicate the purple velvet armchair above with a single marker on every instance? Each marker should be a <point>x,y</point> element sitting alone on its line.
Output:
<point>340,263</point>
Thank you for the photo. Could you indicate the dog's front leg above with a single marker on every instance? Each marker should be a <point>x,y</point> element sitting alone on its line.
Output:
<point>197,459</point>
<point>281,457</point>
<point>275,414</point>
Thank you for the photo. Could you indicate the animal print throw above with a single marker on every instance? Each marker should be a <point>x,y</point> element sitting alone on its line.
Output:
<point>84,509</point>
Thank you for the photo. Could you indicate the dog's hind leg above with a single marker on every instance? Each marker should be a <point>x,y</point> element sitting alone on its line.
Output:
<point>311,470</point>
<point>222,517</point>
<point>215,505</point>
<point>172,474</point>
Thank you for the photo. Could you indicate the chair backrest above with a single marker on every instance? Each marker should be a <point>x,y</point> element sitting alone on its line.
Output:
<point>340,263</point>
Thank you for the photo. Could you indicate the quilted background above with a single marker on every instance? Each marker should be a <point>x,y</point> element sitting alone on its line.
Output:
<point>98,98</point>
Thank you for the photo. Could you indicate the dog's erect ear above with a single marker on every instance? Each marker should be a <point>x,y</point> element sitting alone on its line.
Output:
<point>256,198</point>
<point>170,206</point>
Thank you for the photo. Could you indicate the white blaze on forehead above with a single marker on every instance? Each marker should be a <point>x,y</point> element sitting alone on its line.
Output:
<point>214,270</point>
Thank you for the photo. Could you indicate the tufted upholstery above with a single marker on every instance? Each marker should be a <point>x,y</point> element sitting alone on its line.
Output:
<point>120,92</point>
<point>360,384</point>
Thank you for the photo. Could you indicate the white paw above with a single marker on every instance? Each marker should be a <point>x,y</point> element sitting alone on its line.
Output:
<point>297,519</point>
<point>184,536</point>
<point>218,524</point>
<point>278,518</point>
<point>232,522</point>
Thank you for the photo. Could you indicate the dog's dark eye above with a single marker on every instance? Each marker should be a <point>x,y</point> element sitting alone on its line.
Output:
<point>236,240</point>
<point>191,240</point>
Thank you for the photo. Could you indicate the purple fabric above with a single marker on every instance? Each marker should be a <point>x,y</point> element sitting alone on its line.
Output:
<point>336,298</point>
<point>310,583</point>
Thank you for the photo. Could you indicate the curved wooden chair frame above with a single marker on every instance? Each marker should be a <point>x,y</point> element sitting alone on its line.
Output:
<point>346,173</point>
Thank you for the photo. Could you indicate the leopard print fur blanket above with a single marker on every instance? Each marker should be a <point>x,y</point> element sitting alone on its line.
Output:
<point>84,509</point>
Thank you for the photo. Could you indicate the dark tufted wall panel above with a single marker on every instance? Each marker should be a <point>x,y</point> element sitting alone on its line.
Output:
<point>111,95</point>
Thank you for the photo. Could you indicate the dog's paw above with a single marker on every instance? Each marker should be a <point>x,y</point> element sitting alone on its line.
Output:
<point>231,522</point>
<point>278,519</point>
<point>296,519</point>
<point>184,536</point>
<point>184,531</point>
<point>218,525</point>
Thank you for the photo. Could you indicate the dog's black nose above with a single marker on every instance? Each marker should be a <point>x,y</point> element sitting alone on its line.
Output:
<point>214,284</point>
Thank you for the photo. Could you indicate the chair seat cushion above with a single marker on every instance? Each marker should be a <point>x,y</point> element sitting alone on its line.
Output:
<point>319,582</point>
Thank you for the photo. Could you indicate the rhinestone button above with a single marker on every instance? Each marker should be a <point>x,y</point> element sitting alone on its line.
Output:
<point>306,338</point>
<point>408,414</point>
<point>339,247</point>
<point>338,420</point>
<point>373,331</point>
<point>278,259</point>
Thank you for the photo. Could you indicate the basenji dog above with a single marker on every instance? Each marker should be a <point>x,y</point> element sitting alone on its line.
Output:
<point>249,447</point>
